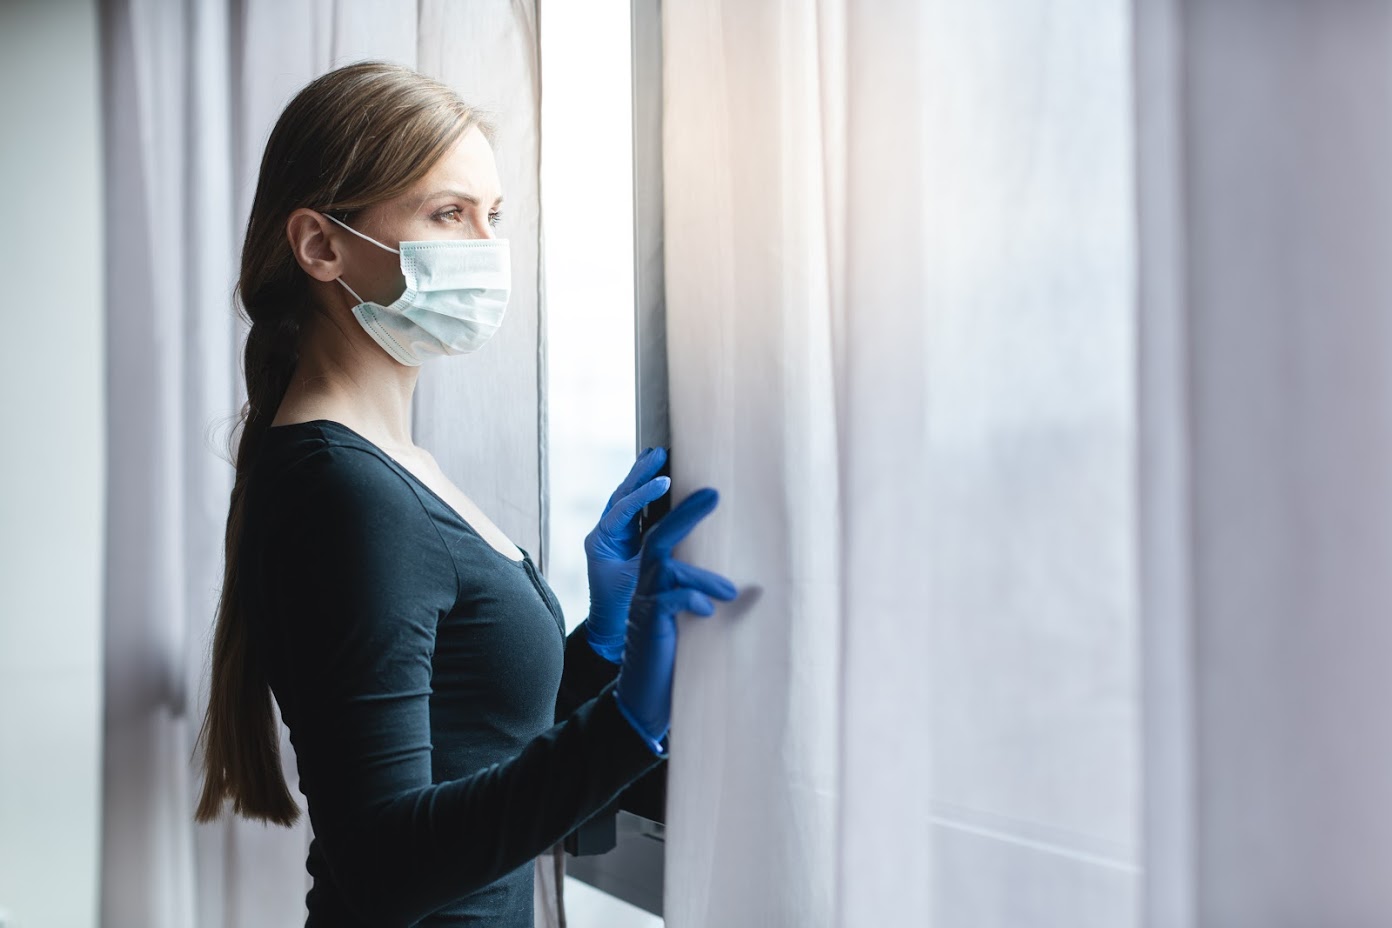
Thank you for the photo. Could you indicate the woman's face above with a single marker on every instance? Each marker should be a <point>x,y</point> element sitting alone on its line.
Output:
<point>459,198</point>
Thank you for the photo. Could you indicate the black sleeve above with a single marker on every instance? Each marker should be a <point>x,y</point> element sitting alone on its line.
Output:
<point>359,575</point>
<point>585,673</point>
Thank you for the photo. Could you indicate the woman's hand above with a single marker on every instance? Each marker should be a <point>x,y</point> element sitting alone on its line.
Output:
<point>666,586</point>
<point>612,550</point>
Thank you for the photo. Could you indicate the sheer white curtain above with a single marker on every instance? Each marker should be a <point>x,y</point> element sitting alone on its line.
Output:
<point>1266,204</point>
<point>900,315</point>
<point>1041,354</point>
<point>191,90</point>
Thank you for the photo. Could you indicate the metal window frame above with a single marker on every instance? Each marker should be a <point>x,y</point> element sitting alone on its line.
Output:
<point>649,278</point>
<point>621,850</point>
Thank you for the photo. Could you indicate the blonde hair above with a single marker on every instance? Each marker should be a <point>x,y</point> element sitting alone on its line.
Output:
<point>356,136</point>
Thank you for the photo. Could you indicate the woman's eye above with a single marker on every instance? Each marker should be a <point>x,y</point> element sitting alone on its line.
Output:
<point>456,215</point>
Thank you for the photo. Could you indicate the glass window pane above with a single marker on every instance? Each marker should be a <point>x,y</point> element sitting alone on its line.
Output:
<point>587,219</point>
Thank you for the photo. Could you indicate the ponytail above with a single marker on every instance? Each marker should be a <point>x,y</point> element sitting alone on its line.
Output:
<point>240,737</point>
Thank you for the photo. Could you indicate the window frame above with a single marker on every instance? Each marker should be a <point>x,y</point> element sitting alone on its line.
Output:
<point>621,850</point>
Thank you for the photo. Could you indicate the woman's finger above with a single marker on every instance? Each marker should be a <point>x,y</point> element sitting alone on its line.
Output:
<point>698,578</point>
<point>678,523</point>
<point>643,469</point>
<point>684,600</point>
<point>623,512</point>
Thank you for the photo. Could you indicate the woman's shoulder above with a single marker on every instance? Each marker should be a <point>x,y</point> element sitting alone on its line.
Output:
<point>323,461</point>
<point>314,433</point>
<point>326,513</point>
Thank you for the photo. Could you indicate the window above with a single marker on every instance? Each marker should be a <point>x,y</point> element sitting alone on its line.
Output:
<point>605,368</point>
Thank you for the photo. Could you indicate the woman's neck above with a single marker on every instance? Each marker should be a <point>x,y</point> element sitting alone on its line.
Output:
<point>351,380</point>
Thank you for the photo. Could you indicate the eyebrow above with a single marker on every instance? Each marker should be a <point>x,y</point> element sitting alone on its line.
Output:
<point>459,195</point>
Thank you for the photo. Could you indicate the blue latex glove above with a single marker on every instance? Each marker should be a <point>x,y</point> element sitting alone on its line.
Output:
<point>611,553</point>
<point>666,586</point>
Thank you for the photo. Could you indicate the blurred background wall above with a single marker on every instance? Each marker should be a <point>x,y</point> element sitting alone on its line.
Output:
<point>52,440</point>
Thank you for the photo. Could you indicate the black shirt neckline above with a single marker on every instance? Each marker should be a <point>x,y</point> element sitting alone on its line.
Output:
<point>521,562</point>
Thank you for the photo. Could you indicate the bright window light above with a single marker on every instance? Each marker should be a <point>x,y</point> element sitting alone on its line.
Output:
<point>587,255</point>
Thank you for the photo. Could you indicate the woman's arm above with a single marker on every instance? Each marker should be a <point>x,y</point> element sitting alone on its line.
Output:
<point>584,675</point>
<point>357,576</point>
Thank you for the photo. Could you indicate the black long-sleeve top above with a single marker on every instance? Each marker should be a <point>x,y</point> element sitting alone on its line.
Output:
<point>446,730</point>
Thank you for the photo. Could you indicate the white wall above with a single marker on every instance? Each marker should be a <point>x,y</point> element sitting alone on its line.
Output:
<point>51,484</point>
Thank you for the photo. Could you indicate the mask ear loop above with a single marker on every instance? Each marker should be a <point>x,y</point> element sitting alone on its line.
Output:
<point>359,235</point>
<point>350,290</point>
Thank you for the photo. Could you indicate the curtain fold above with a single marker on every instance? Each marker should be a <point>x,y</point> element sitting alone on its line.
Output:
<point>166,170</point>
<point>1266,209</point>
<point>900,309</point>
<point>751,814</point>
<point>190,92</point>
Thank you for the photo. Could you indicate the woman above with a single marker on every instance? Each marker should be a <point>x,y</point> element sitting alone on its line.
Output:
<point>417,656</point>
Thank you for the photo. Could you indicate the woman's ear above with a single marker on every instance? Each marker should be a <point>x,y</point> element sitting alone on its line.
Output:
<point>312,243</point>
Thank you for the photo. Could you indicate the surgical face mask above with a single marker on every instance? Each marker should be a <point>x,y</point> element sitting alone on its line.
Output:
<point>455,298</point>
